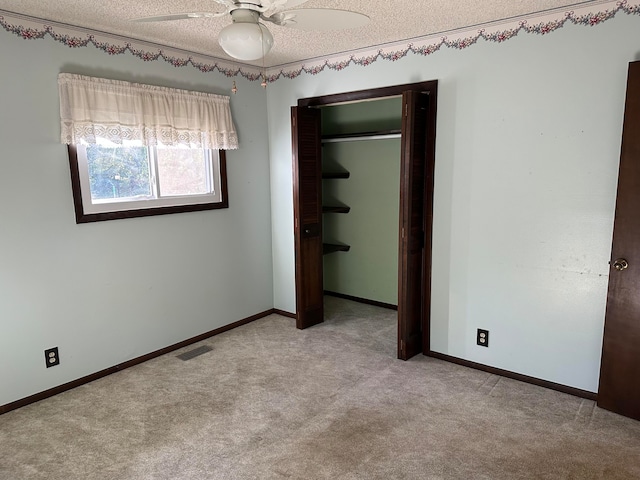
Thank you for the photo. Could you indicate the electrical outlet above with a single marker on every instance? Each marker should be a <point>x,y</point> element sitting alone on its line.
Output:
<point>51,357</point>
<point>482,338</point>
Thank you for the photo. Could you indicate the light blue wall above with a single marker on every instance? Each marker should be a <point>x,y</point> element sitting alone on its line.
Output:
<point>527,151</point>
<point>108,292</point>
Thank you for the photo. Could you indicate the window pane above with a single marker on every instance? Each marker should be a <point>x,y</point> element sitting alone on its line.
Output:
<point>182,171</point>
<point>118,172</point>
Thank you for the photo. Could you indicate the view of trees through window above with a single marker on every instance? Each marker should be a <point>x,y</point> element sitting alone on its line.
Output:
<point>118,172</point>
<point>126,172</point>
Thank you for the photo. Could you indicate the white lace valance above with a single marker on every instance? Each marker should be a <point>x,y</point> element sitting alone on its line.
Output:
<point>93,109</point>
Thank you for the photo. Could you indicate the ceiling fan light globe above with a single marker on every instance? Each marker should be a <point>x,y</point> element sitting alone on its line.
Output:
<point>245,41</point>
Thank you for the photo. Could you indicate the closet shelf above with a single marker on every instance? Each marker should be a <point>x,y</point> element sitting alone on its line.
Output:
<point>335,174</point>
<point>335,209</point>
<point>331,247</point>
<point>354,137</point>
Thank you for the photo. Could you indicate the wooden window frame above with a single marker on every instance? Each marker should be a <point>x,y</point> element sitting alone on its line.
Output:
<point>82,217</point>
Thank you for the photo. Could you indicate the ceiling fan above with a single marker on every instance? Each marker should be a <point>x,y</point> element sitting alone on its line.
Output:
<point>248,39</point>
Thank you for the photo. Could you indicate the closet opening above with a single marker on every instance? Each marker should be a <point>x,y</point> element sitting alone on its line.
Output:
<point>363,193</point>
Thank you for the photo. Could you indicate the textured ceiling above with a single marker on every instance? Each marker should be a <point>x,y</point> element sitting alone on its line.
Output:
<point>390,21</point>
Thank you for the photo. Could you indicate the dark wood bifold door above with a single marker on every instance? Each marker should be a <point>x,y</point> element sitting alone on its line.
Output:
<point>411,274</point>
<point>307,212</point>
<point>619,389</point>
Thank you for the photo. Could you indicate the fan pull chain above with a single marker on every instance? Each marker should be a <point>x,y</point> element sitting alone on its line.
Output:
<point>264,70</point>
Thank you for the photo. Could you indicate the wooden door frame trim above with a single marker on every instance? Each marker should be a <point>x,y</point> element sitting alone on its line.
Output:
<point>429,87</point>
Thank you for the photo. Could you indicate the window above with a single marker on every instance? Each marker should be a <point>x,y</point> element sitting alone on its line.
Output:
<point>112,182</point>
<point>138,150</point>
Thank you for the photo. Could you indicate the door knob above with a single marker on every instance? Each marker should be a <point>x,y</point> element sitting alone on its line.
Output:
<point>620,264</point>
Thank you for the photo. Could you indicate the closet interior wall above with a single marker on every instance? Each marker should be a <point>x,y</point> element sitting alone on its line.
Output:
<point>361,195</point>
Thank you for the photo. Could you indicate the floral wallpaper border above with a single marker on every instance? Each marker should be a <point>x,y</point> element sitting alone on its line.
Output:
<point>498,32</point>
<point>30,28</point>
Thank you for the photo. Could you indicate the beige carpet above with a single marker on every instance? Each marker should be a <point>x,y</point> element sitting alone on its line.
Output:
<point>330,402</point>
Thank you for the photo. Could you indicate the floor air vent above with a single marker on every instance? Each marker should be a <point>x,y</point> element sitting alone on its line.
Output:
<point>194,353</point>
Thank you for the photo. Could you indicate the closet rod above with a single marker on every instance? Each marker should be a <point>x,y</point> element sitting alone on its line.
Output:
<point>361,137</point>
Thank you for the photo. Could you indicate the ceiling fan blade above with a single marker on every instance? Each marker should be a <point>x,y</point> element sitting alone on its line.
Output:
<point>181,16</point>
<point>271,7</point>
<point>320,19</point>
